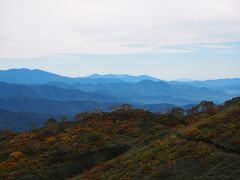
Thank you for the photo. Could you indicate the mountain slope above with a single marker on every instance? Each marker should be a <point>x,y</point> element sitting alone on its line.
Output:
<point>129,144</point>
<point>27,76</point>
<point>209,152</point>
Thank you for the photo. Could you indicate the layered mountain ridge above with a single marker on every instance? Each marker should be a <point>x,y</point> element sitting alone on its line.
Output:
<point>24,90</point>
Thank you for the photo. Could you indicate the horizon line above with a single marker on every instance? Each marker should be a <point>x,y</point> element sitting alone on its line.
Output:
<point>122,74</point>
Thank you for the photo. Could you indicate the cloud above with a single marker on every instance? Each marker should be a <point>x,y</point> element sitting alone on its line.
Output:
<point>47,27</point>
<point>172,50</point>
<point>215,46</point>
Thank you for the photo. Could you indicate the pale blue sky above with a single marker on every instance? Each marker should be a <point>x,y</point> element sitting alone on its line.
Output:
<point>201,63</point>
<point>171,39</point>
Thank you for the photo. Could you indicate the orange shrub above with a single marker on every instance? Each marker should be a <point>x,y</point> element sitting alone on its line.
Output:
<point>50,140</point>
<point>17,155</point>
<point>193,132</point>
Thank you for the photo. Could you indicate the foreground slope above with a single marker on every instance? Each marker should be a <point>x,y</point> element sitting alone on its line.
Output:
<point>129,144</point>
<point>66,149</point>
<point>206,148</point>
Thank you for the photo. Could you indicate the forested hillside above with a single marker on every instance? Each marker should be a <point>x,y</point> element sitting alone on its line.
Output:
<point>202,143</point>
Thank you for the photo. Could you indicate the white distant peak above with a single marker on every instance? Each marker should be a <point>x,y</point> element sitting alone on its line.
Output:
<point>184,80</point>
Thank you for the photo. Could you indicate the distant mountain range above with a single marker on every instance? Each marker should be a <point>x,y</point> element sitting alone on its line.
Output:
<point>114,88</point>
<point>231,86</point>
<point>123,77</point>
<point>43,92</point>
<point>50,92</point>
<point>148,92</point>
<point>144,92</point>
<point>36,76</point>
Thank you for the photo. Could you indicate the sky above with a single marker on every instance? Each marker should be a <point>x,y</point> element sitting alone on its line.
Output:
<point>168,39</point>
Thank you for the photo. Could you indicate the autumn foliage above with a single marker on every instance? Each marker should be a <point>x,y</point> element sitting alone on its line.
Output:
<point>128,144</point>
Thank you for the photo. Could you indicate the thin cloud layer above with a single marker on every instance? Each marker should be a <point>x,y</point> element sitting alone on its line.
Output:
<point>48,27</point>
